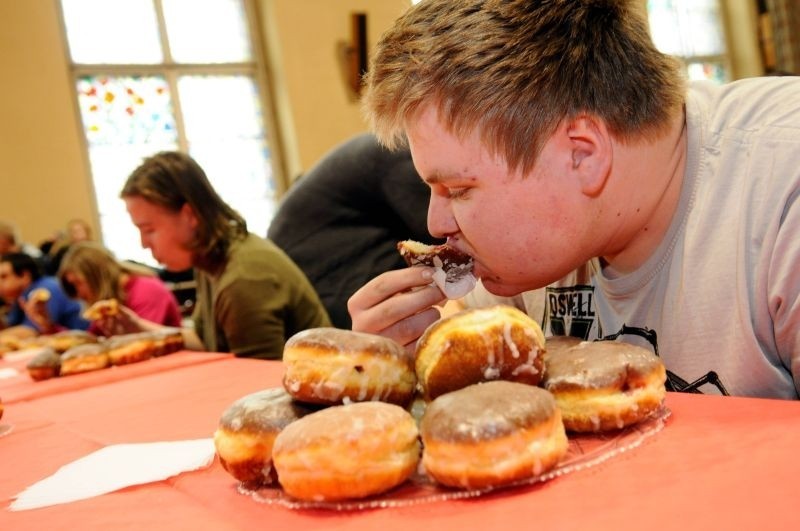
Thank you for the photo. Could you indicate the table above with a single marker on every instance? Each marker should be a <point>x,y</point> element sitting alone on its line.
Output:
<point>18,387</point>
<point>720,462</point>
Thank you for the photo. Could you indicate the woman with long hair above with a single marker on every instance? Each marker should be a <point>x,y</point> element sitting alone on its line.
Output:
<point>90,272</point>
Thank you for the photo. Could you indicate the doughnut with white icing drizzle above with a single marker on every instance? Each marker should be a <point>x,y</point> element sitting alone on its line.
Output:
<point>333,366</point>
<point>477,345</point>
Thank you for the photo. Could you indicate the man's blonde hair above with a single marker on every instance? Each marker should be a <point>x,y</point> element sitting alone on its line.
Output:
<point>514,69</point>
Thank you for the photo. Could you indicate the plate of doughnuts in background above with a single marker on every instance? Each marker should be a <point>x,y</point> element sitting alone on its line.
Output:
<point>76,351</point>
<point>486,402</point>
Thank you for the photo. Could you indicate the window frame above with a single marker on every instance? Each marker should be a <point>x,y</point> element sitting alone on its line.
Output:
<point>171,71</point>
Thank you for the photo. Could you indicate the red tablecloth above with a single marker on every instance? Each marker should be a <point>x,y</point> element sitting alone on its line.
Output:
<point>725,463</point>
<point>21,387</point>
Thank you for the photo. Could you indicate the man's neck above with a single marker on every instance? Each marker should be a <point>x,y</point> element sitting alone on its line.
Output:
<point>648,191</point>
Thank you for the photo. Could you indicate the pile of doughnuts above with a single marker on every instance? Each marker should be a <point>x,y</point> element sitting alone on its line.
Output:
<point>337,429</point>
<point>598,385</point>
<point>492,405</point>
<point>75,352</point>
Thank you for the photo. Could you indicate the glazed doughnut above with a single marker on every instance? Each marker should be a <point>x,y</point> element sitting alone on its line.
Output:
<point>347,452</point>
<point>603,385</point>
<point>84,358</point>
<point>167,341</point>
<point>453,268</point>
<point>477,345</point>
<point>63,341</point>
<point>333,366</point>
<point>44,365</point>
<point>130,348</point>
<point>9,343</point>
<point>102,309</point>
<point>247,431</point>
<point>40,295</point>
<point>491,434</point>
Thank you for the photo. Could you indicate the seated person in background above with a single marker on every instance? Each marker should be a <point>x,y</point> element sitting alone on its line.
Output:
<point>77,230</point>
<point>91,273</point>
<point>36,302</point>
<point>10,241</point>
<point>251,297</point>
<point>342,220</point>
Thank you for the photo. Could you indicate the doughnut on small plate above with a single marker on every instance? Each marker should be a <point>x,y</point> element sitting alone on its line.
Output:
<point>585,451</point>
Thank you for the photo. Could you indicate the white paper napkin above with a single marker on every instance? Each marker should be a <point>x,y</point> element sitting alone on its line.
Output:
<point>115,467</point>
<point>8,372</point>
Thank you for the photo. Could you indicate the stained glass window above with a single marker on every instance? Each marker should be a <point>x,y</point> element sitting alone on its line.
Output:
<point>138,95</point>
<point>691,30</point>
<point>129,110</point>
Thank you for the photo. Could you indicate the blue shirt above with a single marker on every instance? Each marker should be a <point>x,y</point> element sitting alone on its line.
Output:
<point>62,310</point>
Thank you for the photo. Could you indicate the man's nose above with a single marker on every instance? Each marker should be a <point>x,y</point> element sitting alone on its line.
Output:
<point>441,221</point>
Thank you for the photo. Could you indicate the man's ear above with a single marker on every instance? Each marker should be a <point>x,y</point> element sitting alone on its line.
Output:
<point>592,152</point>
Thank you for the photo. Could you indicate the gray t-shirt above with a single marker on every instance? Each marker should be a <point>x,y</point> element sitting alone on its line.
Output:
<point>722,292</point>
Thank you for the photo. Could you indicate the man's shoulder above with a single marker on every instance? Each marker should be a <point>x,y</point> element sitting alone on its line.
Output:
<point>748,105</point>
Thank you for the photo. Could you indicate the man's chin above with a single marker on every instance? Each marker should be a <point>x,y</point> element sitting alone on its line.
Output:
<point>498,288</point>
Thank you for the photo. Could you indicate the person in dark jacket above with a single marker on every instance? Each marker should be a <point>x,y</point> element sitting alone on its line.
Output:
<point>341,221</point>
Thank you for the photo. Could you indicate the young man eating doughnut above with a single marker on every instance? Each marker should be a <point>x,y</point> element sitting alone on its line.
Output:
<point>565,153</point>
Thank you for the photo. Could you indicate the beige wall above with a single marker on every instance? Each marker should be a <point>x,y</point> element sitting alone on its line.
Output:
<point>44,175</point>
<point>304,38</point>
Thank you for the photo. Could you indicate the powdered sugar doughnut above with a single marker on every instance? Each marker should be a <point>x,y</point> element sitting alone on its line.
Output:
<point>345,452</point>
<point>333,366</point>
